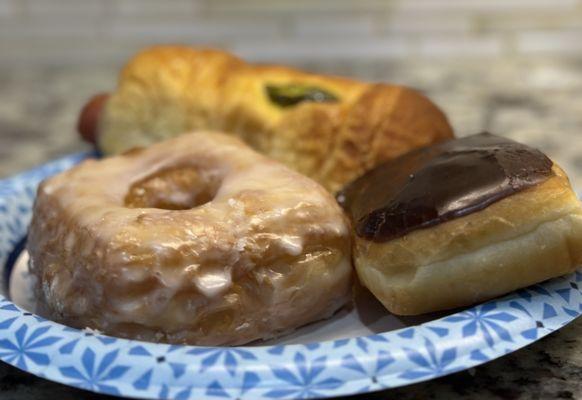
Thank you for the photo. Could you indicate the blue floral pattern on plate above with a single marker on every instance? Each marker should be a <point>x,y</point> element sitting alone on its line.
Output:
<point>332,368</point>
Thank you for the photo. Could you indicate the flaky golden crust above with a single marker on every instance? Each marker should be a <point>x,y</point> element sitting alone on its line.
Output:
<point>525,238</point>
<point>196,240</point>
<point>165,91</point>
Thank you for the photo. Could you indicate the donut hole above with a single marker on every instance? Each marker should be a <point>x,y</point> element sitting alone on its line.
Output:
<point>177,188</point>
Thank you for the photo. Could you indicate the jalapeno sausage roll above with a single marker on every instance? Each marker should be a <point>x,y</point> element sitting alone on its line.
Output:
<point>328,128</point>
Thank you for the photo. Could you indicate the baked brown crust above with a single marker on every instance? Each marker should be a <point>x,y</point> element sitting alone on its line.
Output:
<point>167,90</point>
<point>523,239</point>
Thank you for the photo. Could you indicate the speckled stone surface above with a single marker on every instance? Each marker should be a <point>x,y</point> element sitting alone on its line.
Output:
<point>538,102</point>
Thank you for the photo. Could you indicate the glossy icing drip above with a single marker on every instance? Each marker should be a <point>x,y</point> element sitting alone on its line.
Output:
<point>435,184</point>
<point>194,240</point>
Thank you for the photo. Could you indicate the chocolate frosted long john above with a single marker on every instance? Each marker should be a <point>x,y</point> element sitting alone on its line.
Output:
<point>437,183</point>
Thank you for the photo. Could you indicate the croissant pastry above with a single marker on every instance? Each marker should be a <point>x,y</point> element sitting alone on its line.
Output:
<point>328,128</point>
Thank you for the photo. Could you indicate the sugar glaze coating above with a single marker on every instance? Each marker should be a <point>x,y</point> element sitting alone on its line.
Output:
<point>268,250</point>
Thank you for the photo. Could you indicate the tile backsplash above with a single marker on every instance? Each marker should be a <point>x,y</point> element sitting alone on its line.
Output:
<point>58,32</point>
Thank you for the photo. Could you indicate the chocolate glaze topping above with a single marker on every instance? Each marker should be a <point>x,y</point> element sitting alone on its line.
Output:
<point>438,183</point>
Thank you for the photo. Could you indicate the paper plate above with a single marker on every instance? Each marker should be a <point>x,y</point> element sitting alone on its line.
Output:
<point>356,351</point>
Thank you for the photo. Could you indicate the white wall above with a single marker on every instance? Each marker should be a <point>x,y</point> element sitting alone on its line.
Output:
<point>83,32</point>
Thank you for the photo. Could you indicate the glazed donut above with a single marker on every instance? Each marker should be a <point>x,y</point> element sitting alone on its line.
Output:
<point>460,222</point>
<point>330,129</point>
<point>195,240</point>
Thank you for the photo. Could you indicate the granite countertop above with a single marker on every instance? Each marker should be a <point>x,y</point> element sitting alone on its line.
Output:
<point>537,101</point>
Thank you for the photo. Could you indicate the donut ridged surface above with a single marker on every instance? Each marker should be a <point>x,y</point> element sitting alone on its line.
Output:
<point>266,252</point>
